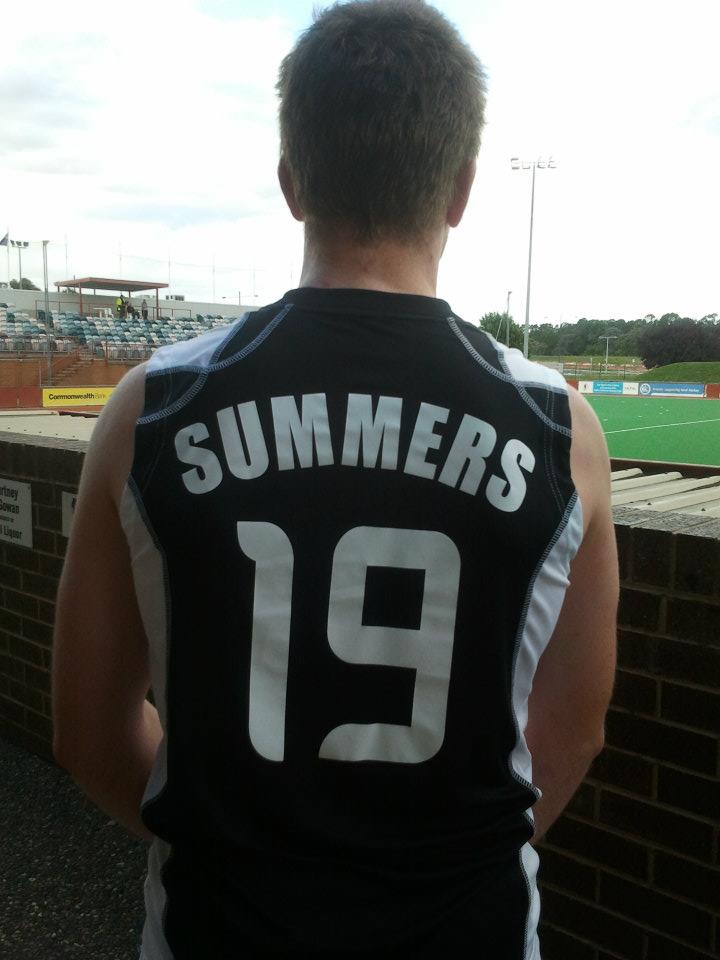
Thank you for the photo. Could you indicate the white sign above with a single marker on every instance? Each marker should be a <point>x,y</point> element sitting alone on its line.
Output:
<point>586,386</point>
<point>16,513</point>
<point>631,389</point>
<point>68,510</point>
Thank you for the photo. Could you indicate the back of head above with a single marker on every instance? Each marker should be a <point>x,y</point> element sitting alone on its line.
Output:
<point>381,106</point>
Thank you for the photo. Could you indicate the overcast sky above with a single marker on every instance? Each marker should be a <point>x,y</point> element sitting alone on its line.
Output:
<point>147,132</point>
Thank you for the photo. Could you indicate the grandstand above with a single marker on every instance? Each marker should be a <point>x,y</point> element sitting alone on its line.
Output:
<point>107,337</point>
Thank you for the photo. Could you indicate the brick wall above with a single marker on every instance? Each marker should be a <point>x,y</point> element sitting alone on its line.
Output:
<point>632,870</point>
<point>28,584</point>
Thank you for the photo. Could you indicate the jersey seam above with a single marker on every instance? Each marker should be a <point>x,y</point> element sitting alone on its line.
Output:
<point>197,368</point>
<point>204,372</point>
<point>559,531</point>
<point>506,377</point>
<point>549,468</point>
<point>142,511</point>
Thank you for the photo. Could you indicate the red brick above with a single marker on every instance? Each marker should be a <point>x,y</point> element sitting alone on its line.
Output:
<point>697,568</point>
<point>37,632</point>
<point>557,945</point>
<point>653,909</point>
<point>37,679</point>
<point>591,922</point>
<point>661,948</point>
<point>689,880</point>
<point>695,708</point>
<point>24,650</point>
<point>39,725</point>
<point>600,846</point>
<point>697,795</point>
<point>635,692</point>
<point>582,803</point>
<point>639,609</point>
<point>625,770</point>
<point>652,561</point>
<point>662,741</point>
<point>566,873</point>
<point>23,694</point>
<point>44,587</point>
<point>20,603</point>
<point>649,822</point>
<point>694,620</point>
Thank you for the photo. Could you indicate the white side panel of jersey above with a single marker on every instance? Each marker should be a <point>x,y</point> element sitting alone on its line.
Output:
<point>149,579</point>
<point>527,371</point>
<point>154,944</point>
<point>197,352</point>
<point>547,593</point>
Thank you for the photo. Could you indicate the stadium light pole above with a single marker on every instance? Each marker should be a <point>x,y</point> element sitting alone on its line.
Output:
<point>517,164</point>
<point>607,349</point>
<point>507,319</point>
<point>47,310</point>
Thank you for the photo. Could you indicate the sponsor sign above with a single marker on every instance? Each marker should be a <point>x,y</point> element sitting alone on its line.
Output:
<point>16,513</point>
<point>68,510</point>
<point>76,396</point>
<point>585,386</point>
<point>614,387</point>
<point>672,389</point>
<point>631,389</point>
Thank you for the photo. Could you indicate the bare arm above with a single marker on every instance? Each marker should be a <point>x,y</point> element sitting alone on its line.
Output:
<point>106,734</point>
<point>574,679</point>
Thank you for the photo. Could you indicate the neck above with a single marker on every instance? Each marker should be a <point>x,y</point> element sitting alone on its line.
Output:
<point>389,265</point>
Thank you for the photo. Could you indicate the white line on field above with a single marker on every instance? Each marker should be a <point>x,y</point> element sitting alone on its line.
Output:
<point>661,426</point>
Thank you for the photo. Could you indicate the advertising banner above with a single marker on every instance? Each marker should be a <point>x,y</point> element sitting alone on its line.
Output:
<point>672,389</point>
<point>585,386</point>
<point>614,387</point>
<point>631,389</point>
<point>76,396</point>
<point>16,513</point>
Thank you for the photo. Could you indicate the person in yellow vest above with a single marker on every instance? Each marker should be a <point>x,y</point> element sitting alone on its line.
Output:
<point>120,306</point>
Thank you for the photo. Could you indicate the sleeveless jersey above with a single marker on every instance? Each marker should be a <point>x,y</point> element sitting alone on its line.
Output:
<point>350,518</point>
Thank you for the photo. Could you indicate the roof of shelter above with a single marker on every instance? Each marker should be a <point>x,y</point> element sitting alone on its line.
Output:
<point>105,283</point>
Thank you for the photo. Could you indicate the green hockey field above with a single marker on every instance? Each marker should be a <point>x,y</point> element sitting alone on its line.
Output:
<point>657,428</point>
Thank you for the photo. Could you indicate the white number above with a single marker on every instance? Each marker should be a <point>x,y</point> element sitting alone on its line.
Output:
<point>426,650</point>
<point>269,547</point>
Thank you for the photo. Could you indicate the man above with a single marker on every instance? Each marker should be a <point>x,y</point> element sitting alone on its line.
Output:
<point>336,537</point>
<point>144,309</point>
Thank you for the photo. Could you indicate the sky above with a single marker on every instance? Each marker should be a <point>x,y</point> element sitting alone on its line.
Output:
<point>142,141</point>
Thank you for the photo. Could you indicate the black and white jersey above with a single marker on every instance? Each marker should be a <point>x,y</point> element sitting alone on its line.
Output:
<point>351,519</point>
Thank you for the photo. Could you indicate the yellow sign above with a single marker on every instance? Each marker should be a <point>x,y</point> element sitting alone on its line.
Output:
<point>76,396</point>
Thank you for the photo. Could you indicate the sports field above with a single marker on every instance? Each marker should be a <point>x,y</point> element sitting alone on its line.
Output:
<point>679,430</point>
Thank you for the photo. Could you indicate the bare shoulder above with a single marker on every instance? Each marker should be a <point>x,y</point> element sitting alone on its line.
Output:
<point>111,450</point>
<point>589,460</point>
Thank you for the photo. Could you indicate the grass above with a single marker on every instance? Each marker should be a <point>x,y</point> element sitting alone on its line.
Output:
<point>708,372</point>
<point>596,359</point>
<point>675,430</point>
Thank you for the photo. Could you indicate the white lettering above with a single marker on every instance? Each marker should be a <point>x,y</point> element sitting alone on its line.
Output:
<point>383,431</point>
<point>311,432</point>
<point>474,441</point>
<point>207,473</point>
<point>508,495</point>
<point>423,439</point>
<point>249,459</point>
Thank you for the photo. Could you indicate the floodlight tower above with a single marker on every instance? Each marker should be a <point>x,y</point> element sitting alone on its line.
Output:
<point>517,164</point>
<point>607,348</point>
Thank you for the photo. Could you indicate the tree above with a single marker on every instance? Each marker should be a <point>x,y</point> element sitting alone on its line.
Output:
<point>675,340</point>
<point>24,284</point>
<point>496,325</point>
